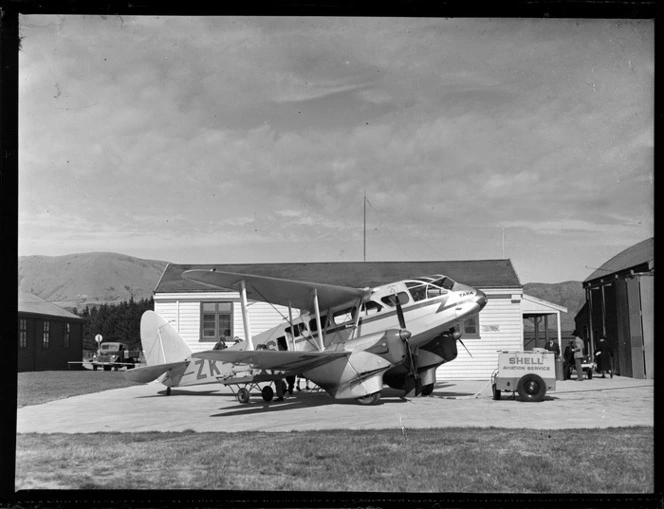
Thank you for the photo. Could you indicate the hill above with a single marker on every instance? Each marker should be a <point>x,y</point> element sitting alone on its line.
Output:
<point>96,278</point>
<point>569,294</point>
<point>74,281</point>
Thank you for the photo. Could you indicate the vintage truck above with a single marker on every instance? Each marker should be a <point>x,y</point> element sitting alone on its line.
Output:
<point>530,374</point>
<point>114,355</point>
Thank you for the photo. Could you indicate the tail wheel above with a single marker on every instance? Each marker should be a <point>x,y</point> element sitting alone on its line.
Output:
<point>531,387</point>
<point>371,399</point>
<point>496,392</point>
<point>267,393</point>
<point>427,390</point>
<point>168,391</point>
<point>243,396</point>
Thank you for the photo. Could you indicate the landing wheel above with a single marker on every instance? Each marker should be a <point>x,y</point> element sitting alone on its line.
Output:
<point>427,390</point>
<point>531,388</point>
<point>496,392</point>
<point>371,399</point>
<point>267,393</point>
<point>243,396</point>
<point>168,391</point>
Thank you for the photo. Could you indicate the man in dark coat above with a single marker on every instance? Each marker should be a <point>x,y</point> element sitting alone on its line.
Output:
<point>552,346</point>
<point>604,357</point>
<point>568,360</point>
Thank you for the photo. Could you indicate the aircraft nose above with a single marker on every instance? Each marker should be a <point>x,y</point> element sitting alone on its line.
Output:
<point>480,298</point>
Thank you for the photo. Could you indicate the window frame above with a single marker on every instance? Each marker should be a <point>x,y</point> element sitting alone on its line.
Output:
<point>217,329</point>
<point>46,335</point>
<point>23,333</point>
<point>461,327</point>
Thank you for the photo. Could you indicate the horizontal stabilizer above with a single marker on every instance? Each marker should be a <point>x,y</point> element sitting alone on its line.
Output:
<point>149,373</point>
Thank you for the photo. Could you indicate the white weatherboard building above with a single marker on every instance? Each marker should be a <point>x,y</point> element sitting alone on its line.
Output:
<point>202,315</point>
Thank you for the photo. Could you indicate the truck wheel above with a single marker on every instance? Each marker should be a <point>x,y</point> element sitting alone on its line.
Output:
<point>94,367</point>
<point>531,388</point>
<point>115,368</point>
<point>427,390</point>
<point>267,393</point>
<point>243,396</point>
<point>496,392</point>
<point>107,368</point>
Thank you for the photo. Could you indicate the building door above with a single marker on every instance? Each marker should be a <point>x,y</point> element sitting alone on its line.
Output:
<point>623,350</point>
<point>647,287</point>
<point>635,332</point>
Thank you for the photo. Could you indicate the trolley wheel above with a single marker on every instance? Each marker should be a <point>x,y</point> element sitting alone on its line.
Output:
<point>496,392</point>
<point>531,388</point>
<point>267,393</point>
<point>371,399</point>
<point>427,390</point>
<point>168,391</point>
<point>243,396</point>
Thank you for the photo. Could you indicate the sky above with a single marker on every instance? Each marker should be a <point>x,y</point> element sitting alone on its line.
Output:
<point>254,139</point>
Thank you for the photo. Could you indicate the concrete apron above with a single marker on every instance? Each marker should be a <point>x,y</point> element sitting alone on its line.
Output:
<point>596,403</point>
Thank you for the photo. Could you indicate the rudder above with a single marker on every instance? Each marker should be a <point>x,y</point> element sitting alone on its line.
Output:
<point>160,341</point>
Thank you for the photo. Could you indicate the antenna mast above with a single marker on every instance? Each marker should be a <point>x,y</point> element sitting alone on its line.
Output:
<point>365,226</point>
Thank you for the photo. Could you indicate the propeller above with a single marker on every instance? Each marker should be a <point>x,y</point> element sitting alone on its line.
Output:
<point>413,380</point>
<point>457,335</point>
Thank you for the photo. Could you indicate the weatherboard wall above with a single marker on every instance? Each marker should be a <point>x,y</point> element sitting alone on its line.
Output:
<point>500,326</point>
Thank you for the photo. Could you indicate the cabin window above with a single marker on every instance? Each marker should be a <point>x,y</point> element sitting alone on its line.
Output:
<point>344,315</point>
<point>296,330</point>
<point>67,333</point>
<point>371,307</point>
<point>46,335</point>
<point>417,290</point>
<point>216,321</point>
<point>23,333</point>
<point>390,300</point>
<point>323,323</point>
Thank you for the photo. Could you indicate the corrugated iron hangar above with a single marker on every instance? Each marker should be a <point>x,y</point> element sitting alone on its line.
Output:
<point>620,306</point>
<point>203,316</point>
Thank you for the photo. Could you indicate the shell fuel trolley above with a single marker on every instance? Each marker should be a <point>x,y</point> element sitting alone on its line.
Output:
<point>530,374</point>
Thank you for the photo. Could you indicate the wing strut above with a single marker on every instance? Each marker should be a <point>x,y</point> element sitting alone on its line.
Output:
<point>245,315</point>
<point>291,336</point>
<point>320,330</point>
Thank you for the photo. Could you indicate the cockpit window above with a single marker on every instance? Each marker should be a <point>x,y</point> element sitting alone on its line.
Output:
<point>446,283</point>
<point>417,290</point>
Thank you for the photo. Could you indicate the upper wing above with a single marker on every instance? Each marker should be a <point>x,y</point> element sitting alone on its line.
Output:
<point>291,362</point>
<point>297,294</point>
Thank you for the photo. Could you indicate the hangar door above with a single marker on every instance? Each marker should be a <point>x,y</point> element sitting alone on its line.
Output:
<point>647,286</point>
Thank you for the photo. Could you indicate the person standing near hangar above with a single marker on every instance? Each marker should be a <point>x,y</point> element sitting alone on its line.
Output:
<point>604,357</point>
<point>552,346</point>
<point>578,355</point>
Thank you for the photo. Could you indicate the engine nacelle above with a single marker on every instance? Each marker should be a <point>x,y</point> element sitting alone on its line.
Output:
<point>390,345</point>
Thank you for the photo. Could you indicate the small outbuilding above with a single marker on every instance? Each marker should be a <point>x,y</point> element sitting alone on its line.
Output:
<point>202,315</point>
<point>48,336</point>
<point>620,305</point>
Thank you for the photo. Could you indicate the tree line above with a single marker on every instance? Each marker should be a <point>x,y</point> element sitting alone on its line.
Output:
<point>115,322</point>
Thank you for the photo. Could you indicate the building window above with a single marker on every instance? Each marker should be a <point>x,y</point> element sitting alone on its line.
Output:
<point>469,328</point>
<point>46,337</point>
<point>216,321</point>
<point>23,333</point>
<point>67,333</point>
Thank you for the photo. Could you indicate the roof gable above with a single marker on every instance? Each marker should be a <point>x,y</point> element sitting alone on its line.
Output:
<point>477,273</point>
<point>29,303</point>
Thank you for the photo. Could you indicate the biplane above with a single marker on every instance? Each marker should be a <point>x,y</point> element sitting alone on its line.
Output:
<point>348,341</point>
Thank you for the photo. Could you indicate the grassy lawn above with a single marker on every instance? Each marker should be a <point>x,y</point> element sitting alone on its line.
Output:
<point>466,460</point>
<point>37,387</point>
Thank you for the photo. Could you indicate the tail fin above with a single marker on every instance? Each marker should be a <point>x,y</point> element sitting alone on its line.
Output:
<point>161,343</point>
